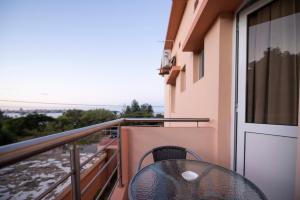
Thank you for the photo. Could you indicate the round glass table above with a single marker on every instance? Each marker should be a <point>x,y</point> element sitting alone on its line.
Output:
<point>190,179</point>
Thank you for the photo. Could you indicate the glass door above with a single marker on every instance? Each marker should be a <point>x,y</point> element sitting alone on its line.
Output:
<point>268,95</point>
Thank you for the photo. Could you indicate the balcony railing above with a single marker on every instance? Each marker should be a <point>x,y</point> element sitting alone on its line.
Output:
<point>13,153</point>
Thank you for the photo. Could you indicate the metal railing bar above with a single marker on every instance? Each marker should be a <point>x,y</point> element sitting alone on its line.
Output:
<point>53,186</point>
<point>120,156</point>
<point>97,153</point>
<point>75,168</point>
<point>98,173</point>
<point>113,189</point>
<point>145,125</point>
<point>10,154</point>
<point>107,182</point>
<point>166,119</point>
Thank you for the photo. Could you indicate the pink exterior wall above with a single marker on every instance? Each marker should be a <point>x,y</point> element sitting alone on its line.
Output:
<point>225,117</point>
<point>211,95</point>
<point>137,140</point>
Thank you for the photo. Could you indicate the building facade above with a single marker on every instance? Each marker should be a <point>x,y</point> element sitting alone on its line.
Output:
<point>237,63</point>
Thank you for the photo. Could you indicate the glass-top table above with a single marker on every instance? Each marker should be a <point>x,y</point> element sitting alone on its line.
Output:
<point>190,179</point>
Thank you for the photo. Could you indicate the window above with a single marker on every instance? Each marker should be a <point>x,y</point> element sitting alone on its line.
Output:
<point>201,64</point>
<point>198,68</point>
<point>182,79</point>
<point>273,64</point>
<point>172,99</point>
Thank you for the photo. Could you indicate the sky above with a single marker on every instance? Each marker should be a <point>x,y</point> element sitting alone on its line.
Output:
<point>82,51</point>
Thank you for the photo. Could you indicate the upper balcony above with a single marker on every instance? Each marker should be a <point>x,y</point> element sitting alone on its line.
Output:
<point>106,173</point>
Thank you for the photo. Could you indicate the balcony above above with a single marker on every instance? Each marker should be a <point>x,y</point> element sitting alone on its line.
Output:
<point>167,62</point>
<point>205,17</point>
<point>174,72</point>
<point>164,70</point>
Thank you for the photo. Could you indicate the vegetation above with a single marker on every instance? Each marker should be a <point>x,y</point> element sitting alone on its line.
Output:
<point>137,111</point>
<point>36,125</point>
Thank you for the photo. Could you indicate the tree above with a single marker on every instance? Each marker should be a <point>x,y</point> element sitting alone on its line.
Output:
<point>159,115</point>
<point>96,116</point>
<point>30,125</point>
<point>3,116</point>
<point>135,110</point>
<point>147,108</point>
<point>6,136</point>
<point>72,118</point>
<point>35,125</point>
<point>135,107</point>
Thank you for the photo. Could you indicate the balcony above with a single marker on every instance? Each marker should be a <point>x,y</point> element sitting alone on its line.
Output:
<point>114,163</point>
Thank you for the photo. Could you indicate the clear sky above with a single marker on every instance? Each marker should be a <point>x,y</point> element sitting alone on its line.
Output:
<point>82,51</point>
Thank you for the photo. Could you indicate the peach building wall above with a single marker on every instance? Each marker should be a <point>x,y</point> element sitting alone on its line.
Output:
<point>138,140</point>
<point>211,95</point>
<point>135,141</point>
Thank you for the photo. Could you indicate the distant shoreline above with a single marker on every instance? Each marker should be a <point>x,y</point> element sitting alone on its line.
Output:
<point>55,113</point>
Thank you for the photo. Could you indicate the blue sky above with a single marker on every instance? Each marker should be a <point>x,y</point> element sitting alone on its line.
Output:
<point>87,51</point>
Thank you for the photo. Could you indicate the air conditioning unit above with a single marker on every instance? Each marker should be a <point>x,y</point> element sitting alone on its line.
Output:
<point>165,60</point>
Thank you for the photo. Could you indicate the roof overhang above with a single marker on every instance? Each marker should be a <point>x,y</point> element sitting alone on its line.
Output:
<point>177,11</point>
<point>206,15</point>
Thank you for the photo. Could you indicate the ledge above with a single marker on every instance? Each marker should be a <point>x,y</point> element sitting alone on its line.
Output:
<point>206,15</point>
<point>176,14</point>
<point>173,75</point>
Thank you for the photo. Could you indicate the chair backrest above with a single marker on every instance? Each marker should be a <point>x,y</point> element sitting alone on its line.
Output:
<point>168,152</point>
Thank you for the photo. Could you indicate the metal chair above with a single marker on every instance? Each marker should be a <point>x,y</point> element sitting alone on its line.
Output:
<point>166,153</point>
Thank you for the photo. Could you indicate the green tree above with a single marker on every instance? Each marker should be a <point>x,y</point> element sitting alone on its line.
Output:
<point>6,136</point>
<point>35,125</point>
<point>30,125</point>
<point>135,107</point>
<point>159,115</point>
<point>3,117</point>
<point>147,108</point>
<point>137,111</point>
<point>72,119</point>
<point>96,116</point>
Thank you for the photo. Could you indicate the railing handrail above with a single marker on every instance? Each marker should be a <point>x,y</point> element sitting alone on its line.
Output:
<point>166,119</point>
<point>12,153</point>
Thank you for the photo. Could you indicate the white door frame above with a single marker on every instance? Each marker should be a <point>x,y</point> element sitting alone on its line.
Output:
<point>242,126</point>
